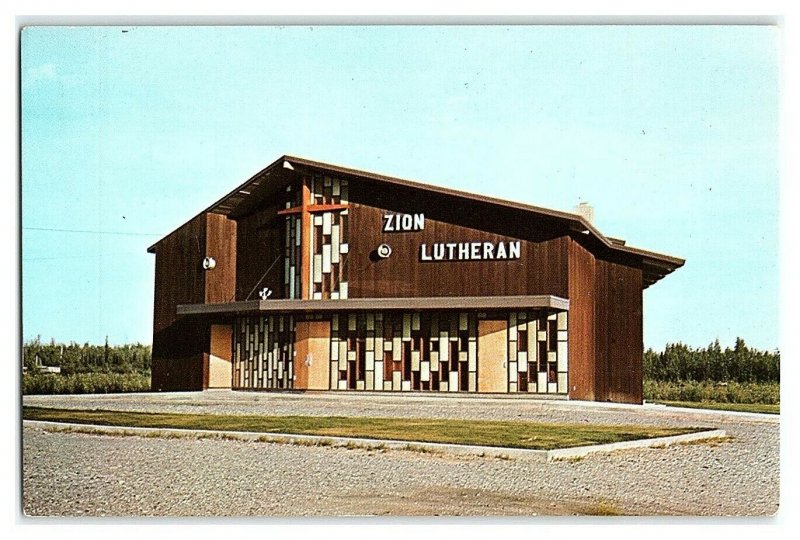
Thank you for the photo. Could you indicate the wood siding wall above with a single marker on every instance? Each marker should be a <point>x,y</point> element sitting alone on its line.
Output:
<point>619,339</point>
<point>259,243</point>
<point>539,270</point>
<point>178,343</point>
<point>181,346</point>
<point>221,244</point>
<point>582,330</point>
<point>606,341</point>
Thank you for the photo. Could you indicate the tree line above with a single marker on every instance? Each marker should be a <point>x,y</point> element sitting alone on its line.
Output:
<point>678,362</point>
<point>75,358</point>
<point>741,364</point>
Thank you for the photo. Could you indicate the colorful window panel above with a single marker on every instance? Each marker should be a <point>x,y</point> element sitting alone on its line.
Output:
<point>404,351</point>
<point>292,253</point>
<point>329,240</point>
<point>263,352</point>
<point>538,355</point>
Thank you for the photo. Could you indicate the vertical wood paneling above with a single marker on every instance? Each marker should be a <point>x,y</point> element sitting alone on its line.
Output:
<point>625,321</point>
<point>582,335</point>
<point>618,339</point>
<point>260,240</point>
<point>180,345</point>
<point>220,282</point>
<point>541,268</point>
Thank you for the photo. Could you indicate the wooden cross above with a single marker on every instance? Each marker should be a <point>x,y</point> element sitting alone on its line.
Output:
<point>306,210</point>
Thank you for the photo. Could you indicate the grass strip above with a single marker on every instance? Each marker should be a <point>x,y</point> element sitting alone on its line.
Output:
<point>508,434</point>
<point>736,407</point>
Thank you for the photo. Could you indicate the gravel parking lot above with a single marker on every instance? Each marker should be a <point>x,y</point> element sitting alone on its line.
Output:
<point>99,475</point>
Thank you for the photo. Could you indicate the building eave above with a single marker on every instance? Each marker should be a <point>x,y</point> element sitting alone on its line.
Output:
<point>364,304</point>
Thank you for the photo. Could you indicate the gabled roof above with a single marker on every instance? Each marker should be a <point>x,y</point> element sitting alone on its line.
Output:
<point>274,177</point>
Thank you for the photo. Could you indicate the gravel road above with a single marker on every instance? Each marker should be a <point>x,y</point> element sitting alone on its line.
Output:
<point>72,474</point>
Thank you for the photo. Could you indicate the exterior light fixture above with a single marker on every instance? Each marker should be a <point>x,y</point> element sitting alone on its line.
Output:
<point>384,250</point>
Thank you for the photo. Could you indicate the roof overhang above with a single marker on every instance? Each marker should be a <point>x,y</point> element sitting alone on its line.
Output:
<point>254,307</point>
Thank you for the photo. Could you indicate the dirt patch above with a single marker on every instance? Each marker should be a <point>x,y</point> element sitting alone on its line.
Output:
<point>446,501</point>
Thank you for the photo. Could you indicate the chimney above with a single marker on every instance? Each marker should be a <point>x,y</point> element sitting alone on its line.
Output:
<point>586,211</point>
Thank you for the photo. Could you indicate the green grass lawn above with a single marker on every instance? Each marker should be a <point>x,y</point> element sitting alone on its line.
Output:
<point>738,407</point>
<point>511,434</point>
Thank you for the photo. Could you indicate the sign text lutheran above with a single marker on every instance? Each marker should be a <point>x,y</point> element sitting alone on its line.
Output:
<point>450,251</point>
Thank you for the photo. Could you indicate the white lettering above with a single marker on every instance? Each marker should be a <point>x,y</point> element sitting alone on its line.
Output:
<point>501,251</point>
<point>475,250</point>
<point>423,255</point>
<point>403,222</point>
<point>469,251</point>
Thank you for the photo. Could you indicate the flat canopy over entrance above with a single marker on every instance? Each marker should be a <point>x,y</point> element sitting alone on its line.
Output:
<point>418,303</point>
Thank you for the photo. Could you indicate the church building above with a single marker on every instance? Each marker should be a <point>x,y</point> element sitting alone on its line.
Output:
<point>316,277</point>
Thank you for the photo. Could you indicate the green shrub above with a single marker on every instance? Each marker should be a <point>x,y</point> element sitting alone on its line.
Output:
<point>85,383</point>
<point>733,392</point>
<point>85,358</point>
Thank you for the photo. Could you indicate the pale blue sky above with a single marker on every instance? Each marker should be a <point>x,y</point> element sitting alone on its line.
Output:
<point>669,132</point>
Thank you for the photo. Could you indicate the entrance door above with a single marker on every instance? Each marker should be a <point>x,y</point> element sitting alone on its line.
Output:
<point>220,367</point>
<point>312,359</point>
<point>492,356</point>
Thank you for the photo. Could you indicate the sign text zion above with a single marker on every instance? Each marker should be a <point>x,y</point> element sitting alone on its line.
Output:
<point>403,222</point>
<point>450,251</point>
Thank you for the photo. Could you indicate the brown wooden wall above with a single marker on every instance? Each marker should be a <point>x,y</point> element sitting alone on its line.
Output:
<point>178,344</point>
<point>541,268</point>
<point>260,241</point>
<point>181,345</point>
<point>221,244</point>
<point>605,328</point>
<point>581,322</point>
<point>619,339</point>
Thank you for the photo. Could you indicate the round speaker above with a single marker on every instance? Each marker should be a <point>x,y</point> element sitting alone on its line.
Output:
<point>209,263</point>
<point>384,250</point>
